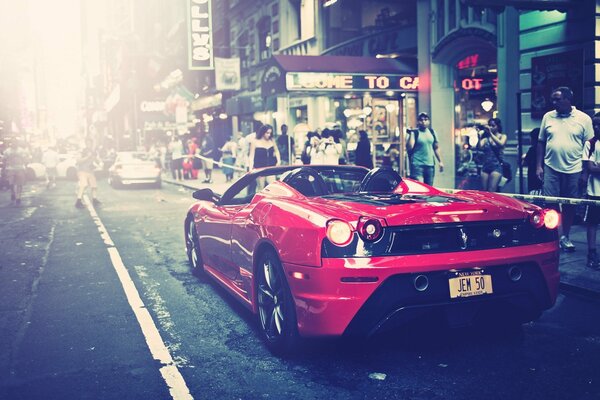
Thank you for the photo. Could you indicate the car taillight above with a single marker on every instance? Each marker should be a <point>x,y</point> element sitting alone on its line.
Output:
<point>369,229</point>
<point>548,217</point>
<point>551,219</point>
<point>339,232</point>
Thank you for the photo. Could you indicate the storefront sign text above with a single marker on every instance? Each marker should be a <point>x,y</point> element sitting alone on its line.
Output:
<point>200,49</point>
<point>311,81</point>
<point>478,83</point>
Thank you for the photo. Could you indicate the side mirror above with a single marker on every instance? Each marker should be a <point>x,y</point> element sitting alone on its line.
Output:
<point>205,194</point>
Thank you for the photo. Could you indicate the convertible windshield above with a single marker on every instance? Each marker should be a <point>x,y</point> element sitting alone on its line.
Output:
<point>331,180</point>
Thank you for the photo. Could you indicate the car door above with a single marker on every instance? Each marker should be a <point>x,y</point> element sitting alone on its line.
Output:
<point>214,236</point>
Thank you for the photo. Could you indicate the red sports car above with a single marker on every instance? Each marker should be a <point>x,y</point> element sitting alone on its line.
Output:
<point>341,250</point>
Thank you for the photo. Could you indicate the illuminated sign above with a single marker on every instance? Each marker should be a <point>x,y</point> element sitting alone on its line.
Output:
<point>312,81</point>
<point>468,62</point>
<point>200,46</point>
<point>479,83</point>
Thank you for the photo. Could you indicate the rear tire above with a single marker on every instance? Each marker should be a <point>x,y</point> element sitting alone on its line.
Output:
<point>193,248</point>
<point>276,307</point>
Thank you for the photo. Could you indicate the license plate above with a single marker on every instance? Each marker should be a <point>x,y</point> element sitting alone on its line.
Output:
<point>471,283</point>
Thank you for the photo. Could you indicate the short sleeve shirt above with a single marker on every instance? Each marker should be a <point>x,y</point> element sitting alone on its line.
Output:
<point>593,183</point>
<point>565,136</point>
<point>423,150</point>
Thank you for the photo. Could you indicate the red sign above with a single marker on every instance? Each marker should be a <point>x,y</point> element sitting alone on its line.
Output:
<point>468,62</point>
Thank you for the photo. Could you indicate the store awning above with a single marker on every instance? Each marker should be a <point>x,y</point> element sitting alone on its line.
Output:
<point>286,73</point>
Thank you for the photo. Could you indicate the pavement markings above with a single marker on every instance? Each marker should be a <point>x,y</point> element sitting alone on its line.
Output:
<point>169,371</point>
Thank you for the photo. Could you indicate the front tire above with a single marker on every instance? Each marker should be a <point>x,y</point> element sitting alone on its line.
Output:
<point>276,308</point>
<point>193,248</point>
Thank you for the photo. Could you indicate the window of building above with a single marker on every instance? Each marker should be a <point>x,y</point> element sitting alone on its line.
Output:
<point>264,37</point>
<point>439,19</point>
<point>451,15</point>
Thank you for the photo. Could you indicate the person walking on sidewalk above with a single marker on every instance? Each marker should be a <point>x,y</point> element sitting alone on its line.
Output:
<point>563,133</point>
<point>85,172</point>
<point>591,161</point>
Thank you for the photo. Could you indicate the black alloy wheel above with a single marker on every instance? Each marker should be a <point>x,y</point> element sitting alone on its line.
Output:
<point>193,248</point>
<point>276,310</point>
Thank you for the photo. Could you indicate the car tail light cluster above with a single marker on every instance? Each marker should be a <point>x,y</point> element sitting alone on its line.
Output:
<point>341,232</point>
<point>370,229</point>
<point>548,217</point>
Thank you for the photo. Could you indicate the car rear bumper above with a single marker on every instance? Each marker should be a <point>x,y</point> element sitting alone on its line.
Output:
<point>365,295</point>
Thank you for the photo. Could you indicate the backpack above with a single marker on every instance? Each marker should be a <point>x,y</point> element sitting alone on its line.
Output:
<point>416,133</point>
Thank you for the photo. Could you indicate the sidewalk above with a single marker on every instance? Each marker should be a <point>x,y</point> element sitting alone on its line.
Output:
<point>574,275</point>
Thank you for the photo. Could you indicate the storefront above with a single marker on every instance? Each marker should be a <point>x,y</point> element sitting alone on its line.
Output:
<point>475,102</point>
<point>350,93</point>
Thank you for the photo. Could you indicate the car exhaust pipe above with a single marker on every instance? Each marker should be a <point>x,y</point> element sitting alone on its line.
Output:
<point>515,273</point>
<point>421,283</point>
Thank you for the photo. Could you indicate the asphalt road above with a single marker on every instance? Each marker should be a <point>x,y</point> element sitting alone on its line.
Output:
<point>68,329</point>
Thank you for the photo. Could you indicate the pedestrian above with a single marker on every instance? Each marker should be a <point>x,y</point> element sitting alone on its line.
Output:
<point>15,163</point>
<point>534,184</point>
<point>286,146</point>
<point>423,150</point>
<point>50,161</point>
<point>591,166</point>
<point>312,141</point>
<point>85,172</point>
<point>363,152</point>
<point>263,151</point>
<point>330,150</point>
<point>339,137</point>
<point>176,149</point>
<point>491,144</point>
<point>563,133</point>
<point>207,151</point>
<point>229,151</point>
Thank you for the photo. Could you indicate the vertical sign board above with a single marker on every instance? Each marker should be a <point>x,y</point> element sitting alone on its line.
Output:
<point>200,41</point>
<point>552,71</point>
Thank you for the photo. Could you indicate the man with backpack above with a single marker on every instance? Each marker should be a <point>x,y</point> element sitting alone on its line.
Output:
<point>423,149</point>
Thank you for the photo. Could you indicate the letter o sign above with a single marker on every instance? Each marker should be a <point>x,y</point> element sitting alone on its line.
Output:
<point>382,82</point>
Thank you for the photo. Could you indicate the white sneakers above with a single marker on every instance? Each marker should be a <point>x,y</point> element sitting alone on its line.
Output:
<point>566,245</point>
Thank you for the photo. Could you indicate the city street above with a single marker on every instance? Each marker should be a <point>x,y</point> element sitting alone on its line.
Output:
<point>72,327</point>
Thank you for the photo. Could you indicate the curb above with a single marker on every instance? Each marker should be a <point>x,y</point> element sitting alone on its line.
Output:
<point>578,290</point>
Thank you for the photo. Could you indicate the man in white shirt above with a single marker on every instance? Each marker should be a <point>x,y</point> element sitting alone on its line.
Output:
<point>563,134</point>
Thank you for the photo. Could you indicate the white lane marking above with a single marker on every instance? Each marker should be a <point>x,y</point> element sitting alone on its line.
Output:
<point>171,375</point>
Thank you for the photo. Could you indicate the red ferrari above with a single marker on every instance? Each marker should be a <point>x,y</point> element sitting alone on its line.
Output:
<point>341,250</point>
